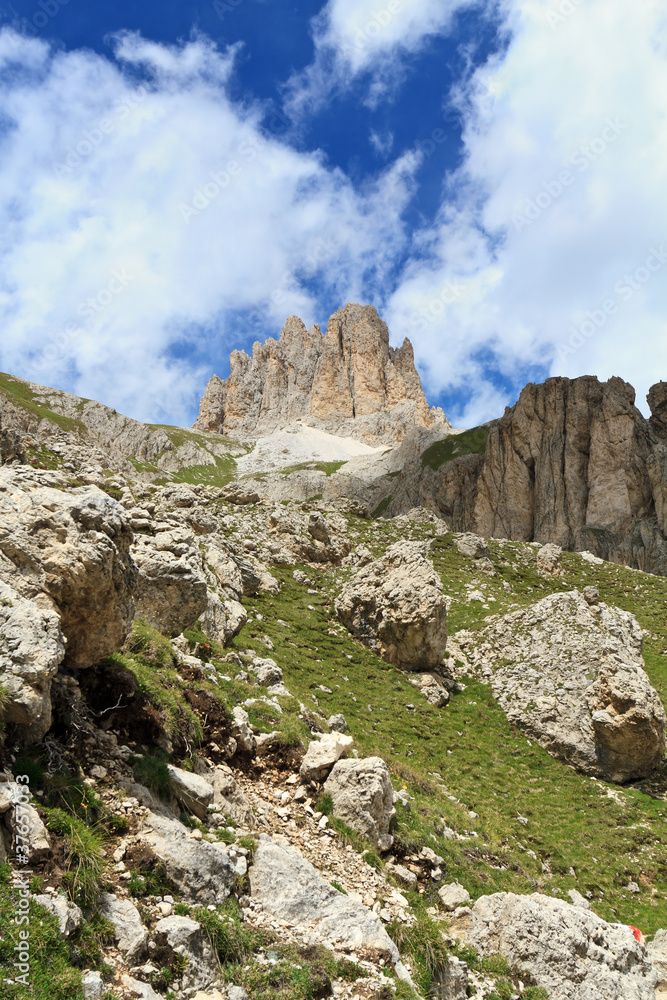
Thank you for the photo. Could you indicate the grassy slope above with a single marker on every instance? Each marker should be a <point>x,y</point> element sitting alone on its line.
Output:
<point>584,834</point>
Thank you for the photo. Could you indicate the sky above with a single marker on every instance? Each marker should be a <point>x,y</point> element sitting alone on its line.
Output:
<point>178,178</point>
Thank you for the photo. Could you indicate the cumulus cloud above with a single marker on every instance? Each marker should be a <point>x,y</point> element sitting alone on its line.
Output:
<point>353,37</point>
<point>142,212</point>
<point>549,250</point>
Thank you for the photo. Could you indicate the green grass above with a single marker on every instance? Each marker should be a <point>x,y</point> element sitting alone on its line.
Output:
<point>472,442</point>
<point>52,974</point>
<point>328,468</point>
<point>469,751</point>
<point>22,395</point>
<point>84,856</point>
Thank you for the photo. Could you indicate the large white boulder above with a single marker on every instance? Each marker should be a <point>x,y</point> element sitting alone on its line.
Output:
<point>32,647</point>
<point>571,952</point>
<point>130,934</point>
<point>569,671</point>
<point>362,795</point>
<point>68,550</point>
<point>395,606</point>
<point>171,588</point>
<point>184,937</point>
<point>323,753</point>
<point>191,790</point>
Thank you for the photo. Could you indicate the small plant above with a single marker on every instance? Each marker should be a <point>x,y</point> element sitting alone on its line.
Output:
<point>152,771</point>
<point>338,886</point>
<point>83,855</point>
<point>181,909</point>
<point>325,805</point>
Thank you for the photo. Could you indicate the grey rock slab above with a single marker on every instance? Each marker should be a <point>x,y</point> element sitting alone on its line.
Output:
<point>453,895</point>
<point>93,985</point>
<point>191,790</point>
<point>291,889</point>
<point>69,915</point>
<point>395,606</point>
<point>138,989</point>
<point>322,754</point>
<point>201,873</point>
<point>184,937</point>
<point>363,796</point>
<point>131,935</point>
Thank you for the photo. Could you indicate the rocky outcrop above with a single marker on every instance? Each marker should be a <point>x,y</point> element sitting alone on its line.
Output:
<point>130,934</point>
<point>363,797</point>
<point>31,649</point>
<point>396,606</point>
<point>571,952</point>
<point>291,889</point>
<point>68,550</point>
<point>171,587</point>
<point>322,754</point>
<point>573,462</point>
<point>349,382</point>
<point>569,672</point>
<point>178,936</point>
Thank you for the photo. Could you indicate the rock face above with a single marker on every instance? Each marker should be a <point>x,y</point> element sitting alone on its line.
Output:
<point>569,672</point>
<point>183,936</point>
<point>31,649</point>
<point>131,935</point>
<point>395,605</point>
<point>69,552</point>
<point>362,795</point>
<point>573,462</point>
<point>290,889</point>
<point>322,754</point>
<point>572,953</point>
<point>171,588</point>
<point>348,382</point>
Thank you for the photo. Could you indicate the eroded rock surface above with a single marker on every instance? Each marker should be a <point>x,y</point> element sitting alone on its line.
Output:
<point>291,889</point>
<point>396,606</point>
<point>363,796</point>
<point>68,550</point>
<point>171,587</point>
<point>572,953</point>
<point>569,671</point>
<point>348,382</point>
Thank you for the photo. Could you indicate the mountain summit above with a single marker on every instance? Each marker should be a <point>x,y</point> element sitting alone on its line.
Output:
<point>349,382</point>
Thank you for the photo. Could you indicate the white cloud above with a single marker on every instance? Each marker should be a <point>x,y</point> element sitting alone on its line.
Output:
<point>139,206</point>
<point>358,36</point>
<point>523,257</point>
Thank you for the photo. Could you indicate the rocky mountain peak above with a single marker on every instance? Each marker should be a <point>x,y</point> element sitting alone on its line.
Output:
<point>349,381</point>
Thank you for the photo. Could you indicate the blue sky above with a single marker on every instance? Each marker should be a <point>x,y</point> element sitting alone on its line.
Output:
<point>176,179</point>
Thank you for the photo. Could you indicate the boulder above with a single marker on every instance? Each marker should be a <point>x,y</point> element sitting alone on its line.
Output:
<point>337,723</point>
<point>289,888</point>
<point>225,570</point>
<point>362,795</point>
<point>266,671</point>
<point>93,985</point>
<point>550,560</point>
<point>171,589</point>
<point>222,620</point>
<point>31,649</point>
<point>183,937</point>
<point>472,545</point>
<point>138,989</point>
<point>191,790</point>
<point>657,953</point>
<point>239,493</point>
<point>571,675</point>
<point>199,871</point>
<point>68,550</point>
<point>230,797</point>
<point>396,606</point>
<point>451,982</point>
<point>130,934</point>
<point>322,754</point>
<point>68,914</point>
<point>572,953</point>
<point>241,730</point>
<point>453,895</point>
